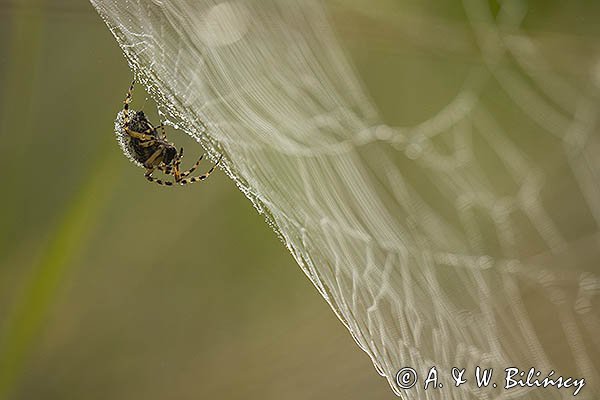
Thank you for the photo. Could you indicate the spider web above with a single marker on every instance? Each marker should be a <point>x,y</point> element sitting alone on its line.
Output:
<point>470,238</point>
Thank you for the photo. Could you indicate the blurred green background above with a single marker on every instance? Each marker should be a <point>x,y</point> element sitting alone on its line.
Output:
<point>113,288</point>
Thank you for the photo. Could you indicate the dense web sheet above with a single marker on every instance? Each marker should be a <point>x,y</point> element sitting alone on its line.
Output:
<point>471,238</point>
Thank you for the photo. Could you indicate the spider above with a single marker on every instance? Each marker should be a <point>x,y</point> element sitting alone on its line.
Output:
<point>148,148</point>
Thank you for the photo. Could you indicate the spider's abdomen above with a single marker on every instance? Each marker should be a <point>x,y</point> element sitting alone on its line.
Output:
<point>130,148</point>
<point>138,150</point>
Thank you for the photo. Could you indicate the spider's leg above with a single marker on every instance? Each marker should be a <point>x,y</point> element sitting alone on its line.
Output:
<point>148,175</point>
<point>189,171</point>
<point>167,169</point>
<point>128,97</point>
<point>150,162</point>
<point>177,163</point>
<point>126,103</point>
<point>148,143</point>
<point>138,135</point>
<point>201,177</point>
<point>151,129</point>
<point>162,130</point>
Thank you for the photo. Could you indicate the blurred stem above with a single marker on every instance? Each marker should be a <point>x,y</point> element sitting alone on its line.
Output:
<point>22,61</point>
<point>38,295</point>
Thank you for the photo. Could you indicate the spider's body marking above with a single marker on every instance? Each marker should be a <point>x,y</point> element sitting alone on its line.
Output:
<point>147,148</point>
